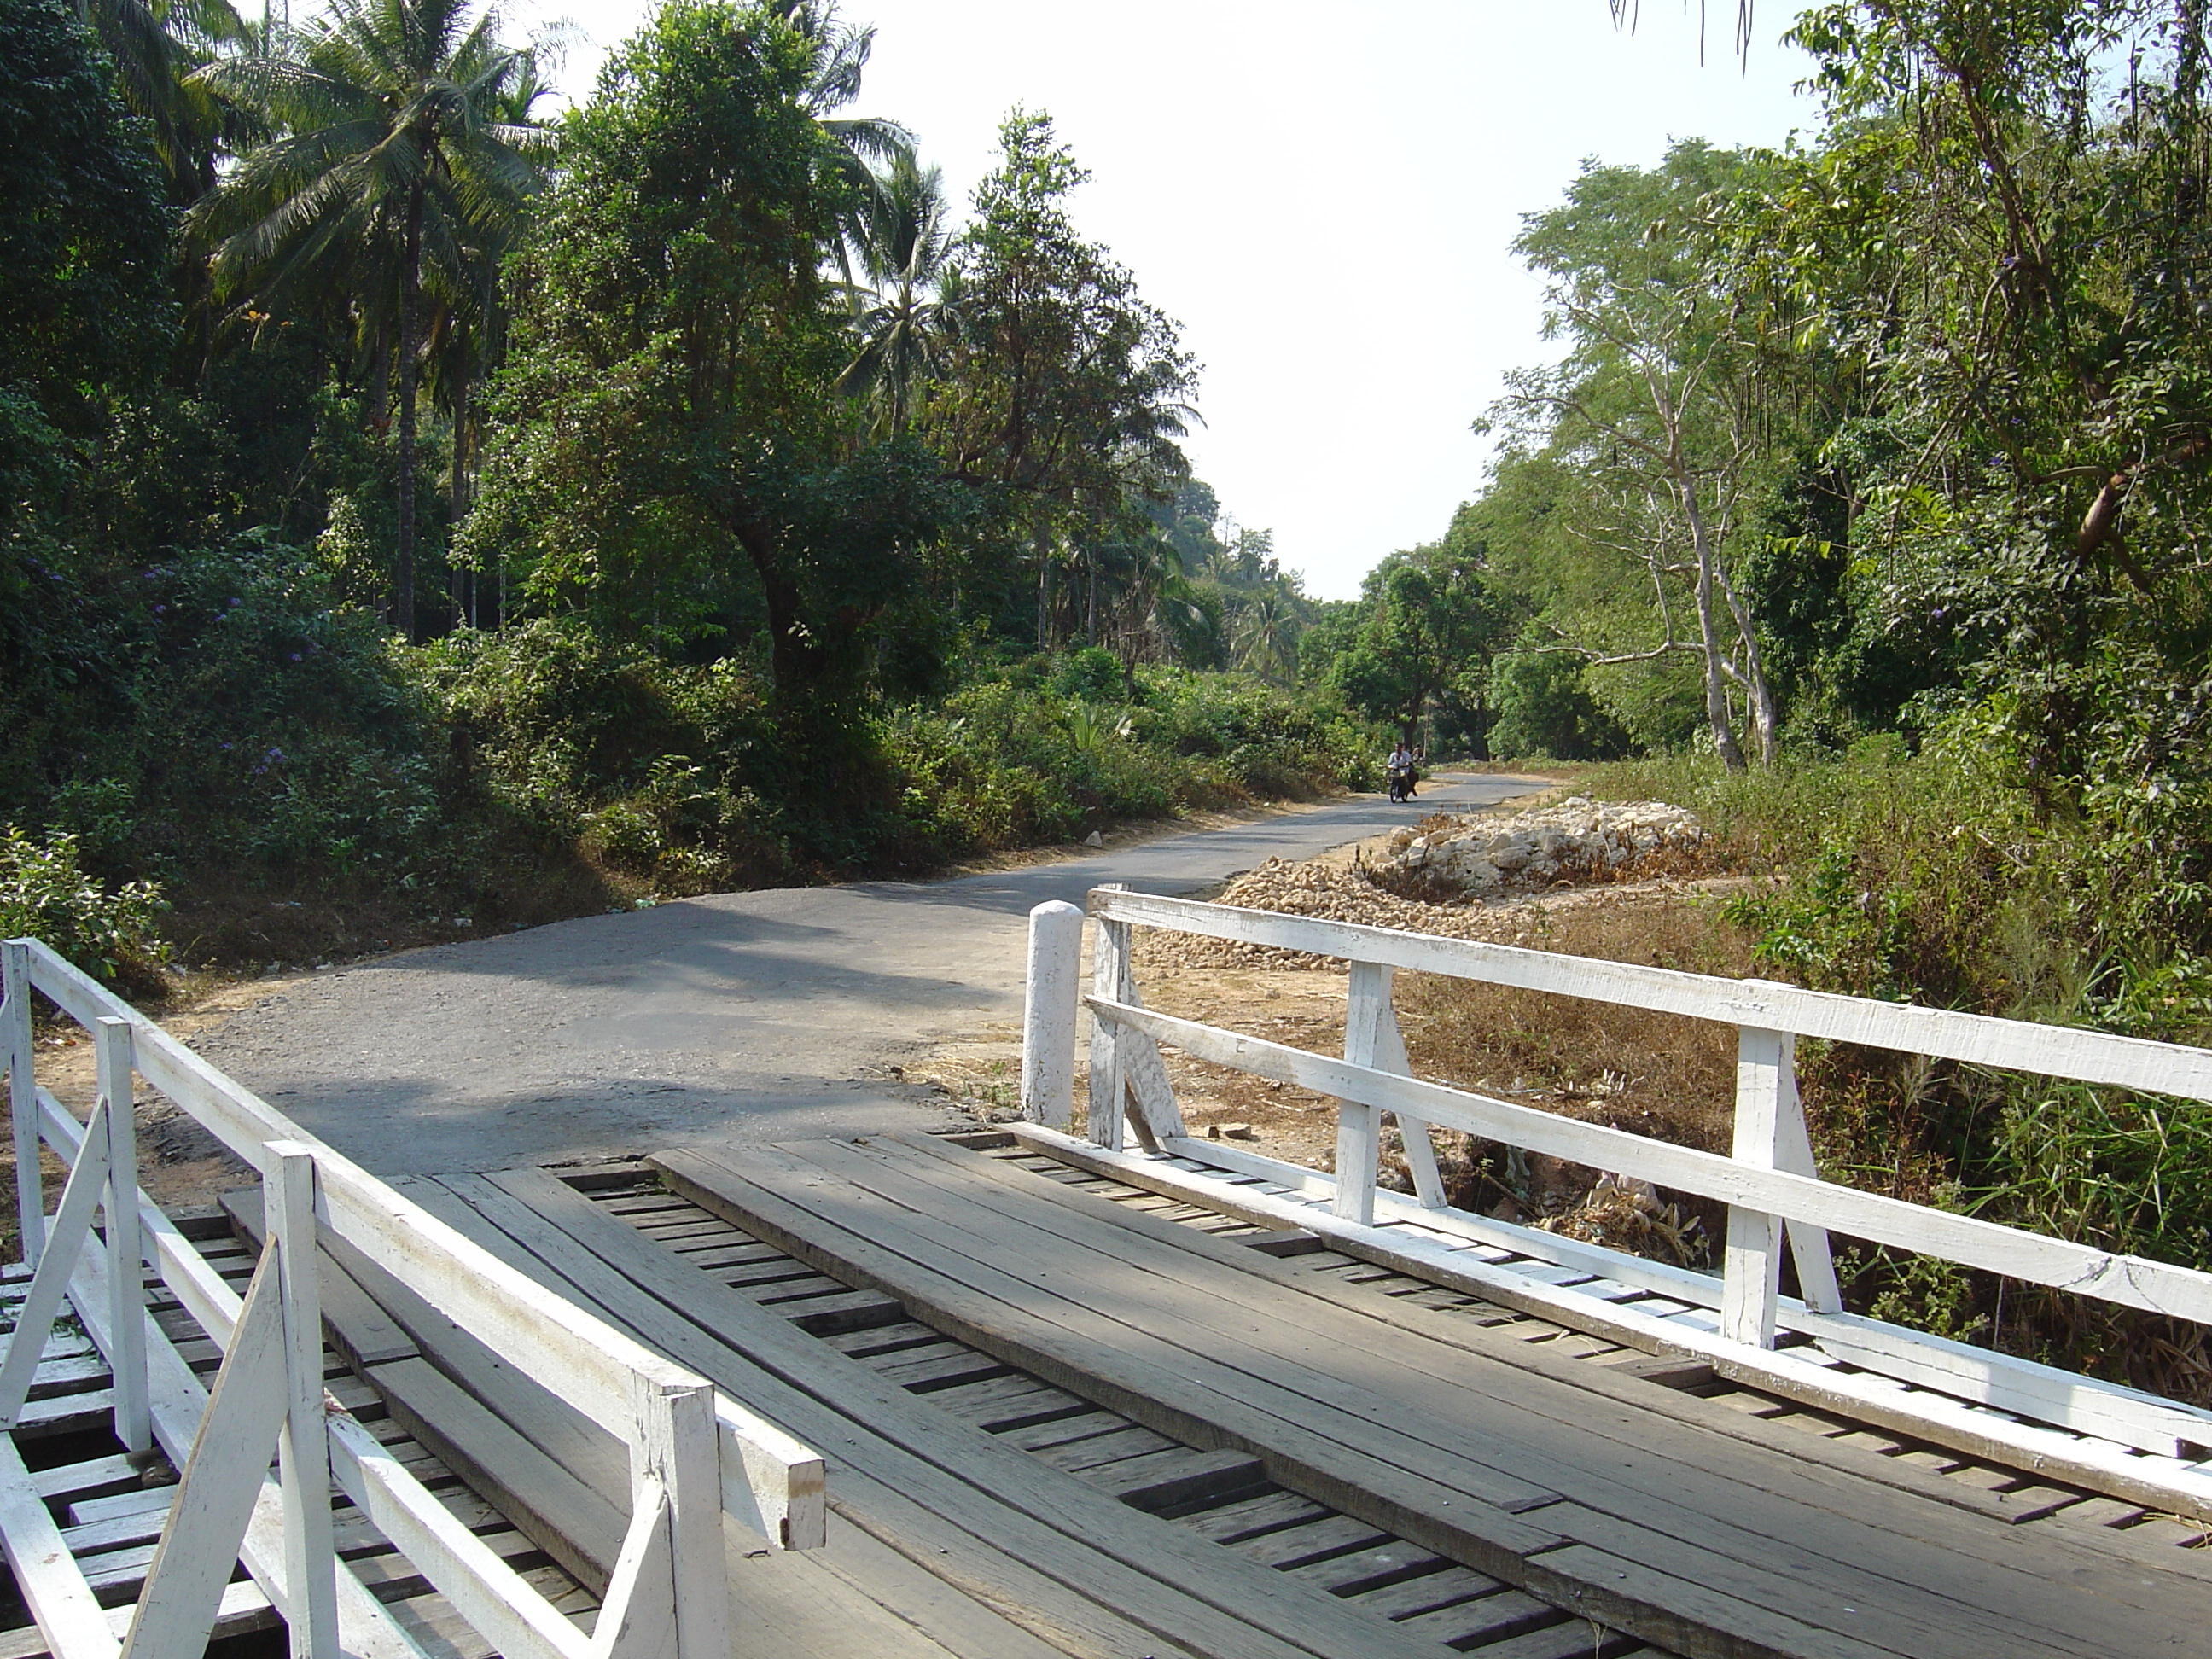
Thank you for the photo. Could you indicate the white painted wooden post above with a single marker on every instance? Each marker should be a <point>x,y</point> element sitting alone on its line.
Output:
<point>1048,1011</point>
<point>222,1479</point>
<point>126,1279</point>
<point>1358,1140</point>
<point>23,1097</point>
<point>1808,1244</point>
<point>1112,978</point>
<point>1386,1046</point>
<point>303,1446</point>
<point>676,1459</point>
<point>1752,1274</point>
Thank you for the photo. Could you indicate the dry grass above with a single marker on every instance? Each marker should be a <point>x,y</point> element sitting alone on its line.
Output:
<point>1653,1074</point>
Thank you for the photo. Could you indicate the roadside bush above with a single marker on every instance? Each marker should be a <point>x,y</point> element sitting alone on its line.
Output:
<point>107,931</point>
<point>1949,877</point>
<point>219,708</point>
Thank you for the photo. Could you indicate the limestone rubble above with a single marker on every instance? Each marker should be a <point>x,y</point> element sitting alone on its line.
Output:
<point>1573,840</point>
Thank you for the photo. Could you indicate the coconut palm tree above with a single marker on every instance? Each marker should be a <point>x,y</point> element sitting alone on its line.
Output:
<point>397,160</point>
<point>1268,637</point>
<point>837,56</point>
<point>905,248</point>
<point>155,45</point>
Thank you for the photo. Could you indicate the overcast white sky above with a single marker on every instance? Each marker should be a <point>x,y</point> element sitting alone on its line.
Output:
<point>1322,192</point>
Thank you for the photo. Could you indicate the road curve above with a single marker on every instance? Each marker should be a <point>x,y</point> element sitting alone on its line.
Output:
<point>742,1016</point>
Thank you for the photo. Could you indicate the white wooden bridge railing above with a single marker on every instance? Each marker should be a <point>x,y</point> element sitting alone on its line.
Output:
<point>1774,1194</point>
<point>695,1453</point>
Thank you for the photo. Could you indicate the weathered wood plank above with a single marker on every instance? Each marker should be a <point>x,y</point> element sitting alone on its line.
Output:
<point>2133,1281</point>
<point>1072,1566</point>
<point>1990,1581</point>
<point>47,1577</point>
<point>2160,1483</point>
<point>1446,1518</point>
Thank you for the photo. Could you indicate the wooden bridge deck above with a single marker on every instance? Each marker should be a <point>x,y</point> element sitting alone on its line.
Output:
<point>1060,1422</point>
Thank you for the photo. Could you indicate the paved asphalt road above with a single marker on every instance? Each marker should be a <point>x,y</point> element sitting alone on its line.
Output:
<point>743,1016</point>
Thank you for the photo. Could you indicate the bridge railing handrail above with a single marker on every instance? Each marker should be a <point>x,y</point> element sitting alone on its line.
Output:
<point>1776,1198</point>
<point>2086,1056</point>
<point>695,1452</point>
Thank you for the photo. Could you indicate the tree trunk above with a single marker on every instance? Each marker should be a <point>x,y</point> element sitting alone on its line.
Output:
<point>457,501</point>
<point>1759,693</point>
<point>1717,705</point>
<point>1044,596</point>
<point>403,563</point>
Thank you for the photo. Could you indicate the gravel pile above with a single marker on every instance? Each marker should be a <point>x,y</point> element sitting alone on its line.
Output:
<point>1578,840</point>
<point>1333,893</point>
<point>1446,877</point>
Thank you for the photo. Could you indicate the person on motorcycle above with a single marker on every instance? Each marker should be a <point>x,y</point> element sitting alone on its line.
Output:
<point>1401,769</point>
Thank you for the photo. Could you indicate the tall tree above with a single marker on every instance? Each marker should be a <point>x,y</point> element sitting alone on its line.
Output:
<point>1430,627</point>
<point>395,165</point>
<point>83,240</point>
<point>1065,387</point>
<point>1656,400</point>
<point>904,325</point>
<point>673,458</point>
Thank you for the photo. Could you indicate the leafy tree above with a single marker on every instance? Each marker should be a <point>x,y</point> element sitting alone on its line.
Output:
<point>1656,407</point>
<point>1065,392</point>
<point>671,458</point>
<point>1430,627</point>
<point>395,162</point>
<point>83,240</point>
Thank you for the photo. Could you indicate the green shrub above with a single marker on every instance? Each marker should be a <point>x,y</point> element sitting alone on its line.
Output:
<point>1950,877</point>
<point>107,931</point>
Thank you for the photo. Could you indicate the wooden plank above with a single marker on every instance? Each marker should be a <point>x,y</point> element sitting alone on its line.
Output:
<point>69,1615</point>
<point>1751,1277</point>
<point>1444,1517</point>
<point>2164,1068</point>
<point>21,1059</point>
<point>771,1484</point>
<point>1885,1535</point>
<point>357,1326</point>
<point>65,1243</point>
<point>565,1516</point>
<point>178,1402</point>
<point>1359,1125</point>
<point>303,1453</point>
<point>565,1437</point>
<point>120,1211</point>
<point>206,1525</point>
<point>2086,1405</point>
<point>2161,1483</point>
<point>1446,1322</point>
<point>2132,1281</point>
<point>1111,976</point>
<point>1066,1562</point>
<point>1001,1587</point>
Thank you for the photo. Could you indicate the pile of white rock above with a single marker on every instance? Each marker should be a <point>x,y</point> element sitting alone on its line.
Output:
<point>1577,839</point>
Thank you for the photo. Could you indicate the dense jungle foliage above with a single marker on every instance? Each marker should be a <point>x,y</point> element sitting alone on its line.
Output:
<point>1874,472</point>
<point>418,509</point>
<point>453,515</point>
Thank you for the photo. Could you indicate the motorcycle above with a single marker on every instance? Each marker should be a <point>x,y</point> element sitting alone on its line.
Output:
<point>1402,783</point>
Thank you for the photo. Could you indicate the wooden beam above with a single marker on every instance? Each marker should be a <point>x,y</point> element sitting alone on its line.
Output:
<point>20,1057</point>
<point>2165,1068</point>
<point>2133,1281</point>
<point>2160,1483</point>
<point>52,1586</point>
